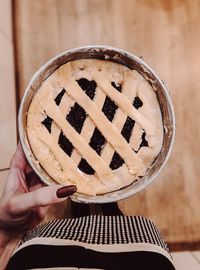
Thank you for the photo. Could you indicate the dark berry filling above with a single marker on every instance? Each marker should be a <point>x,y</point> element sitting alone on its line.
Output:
<point>109,108</point>
<point>117,87</point>
<point>47,123</point>
<point>65,144</point>
<point>88,87</point>
<point>59,97</point>
<point>127,128</point>
<point>137,103</point>
<point>85,167</point>
<point>116,161</point>
<point>144,142</point>
<point>97,142</point>
<point>77,115</point>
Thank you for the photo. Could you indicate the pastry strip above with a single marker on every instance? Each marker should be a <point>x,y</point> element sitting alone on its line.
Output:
<point>135,164</point>
<point>65,171</point>
<point>123,102</point>
<point>102,169</point>
<point>89,126</point>
<point>68,166</point>
<point>128,89</point>
<point>55,129</point>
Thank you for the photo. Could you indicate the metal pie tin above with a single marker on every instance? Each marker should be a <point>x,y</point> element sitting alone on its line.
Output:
<point>122,57</point>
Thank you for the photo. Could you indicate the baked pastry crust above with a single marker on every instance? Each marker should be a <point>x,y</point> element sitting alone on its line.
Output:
<point>57,97</point>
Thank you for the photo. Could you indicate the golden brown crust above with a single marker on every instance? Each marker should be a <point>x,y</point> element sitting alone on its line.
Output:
<point>63,168</point>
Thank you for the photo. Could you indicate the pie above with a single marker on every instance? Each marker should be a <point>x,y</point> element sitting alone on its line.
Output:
<point>96,124</point>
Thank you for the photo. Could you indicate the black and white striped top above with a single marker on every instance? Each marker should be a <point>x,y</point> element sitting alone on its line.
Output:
<point>93,242</point>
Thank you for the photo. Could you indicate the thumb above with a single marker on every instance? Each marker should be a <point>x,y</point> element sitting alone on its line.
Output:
<point>41,197</point>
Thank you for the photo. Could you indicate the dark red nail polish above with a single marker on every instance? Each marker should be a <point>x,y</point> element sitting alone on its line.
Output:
<point>66,191</point>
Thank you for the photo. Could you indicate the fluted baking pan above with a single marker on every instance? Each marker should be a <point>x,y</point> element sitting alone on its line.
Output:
<point>118,56</point>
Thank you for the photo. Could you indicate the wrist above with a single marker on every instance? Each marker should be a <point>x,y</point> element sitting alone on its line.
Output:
<point>7,234</point>
<point>8,243</point>
<point>5,238</point>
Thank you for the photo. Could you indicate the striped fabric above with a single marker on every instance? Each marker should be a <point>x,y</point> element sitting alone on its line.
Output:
<point>93,242</point>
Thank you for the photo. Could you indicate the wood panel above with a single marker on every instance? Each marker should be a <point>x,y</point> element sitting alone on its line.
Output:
<point>167,34</point>
<point>7,92</point>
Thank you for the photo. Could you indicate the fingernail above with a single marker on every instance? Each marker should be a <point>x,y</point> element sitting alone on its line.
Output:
<point>66,191</point>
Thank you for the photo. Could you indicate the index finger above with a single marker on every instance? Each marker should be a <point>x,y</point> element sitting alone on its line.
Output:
<point>43,196</point>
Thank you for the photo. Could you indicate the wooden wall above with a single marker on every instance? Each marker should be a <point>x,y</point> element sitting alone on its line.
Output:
<point>167,34</point>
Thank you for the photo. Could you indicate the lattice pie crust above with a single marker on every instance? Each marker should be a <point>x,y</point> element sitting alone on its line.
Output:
<point>95,124</point>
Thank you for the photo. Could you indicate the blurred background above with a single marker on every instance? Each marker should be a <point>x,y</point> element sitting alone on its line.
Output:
<point>166,34</point>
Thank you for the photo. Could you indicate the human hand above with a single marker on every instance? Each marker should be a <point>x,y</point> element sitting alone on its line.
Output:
<point>26,199</point>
